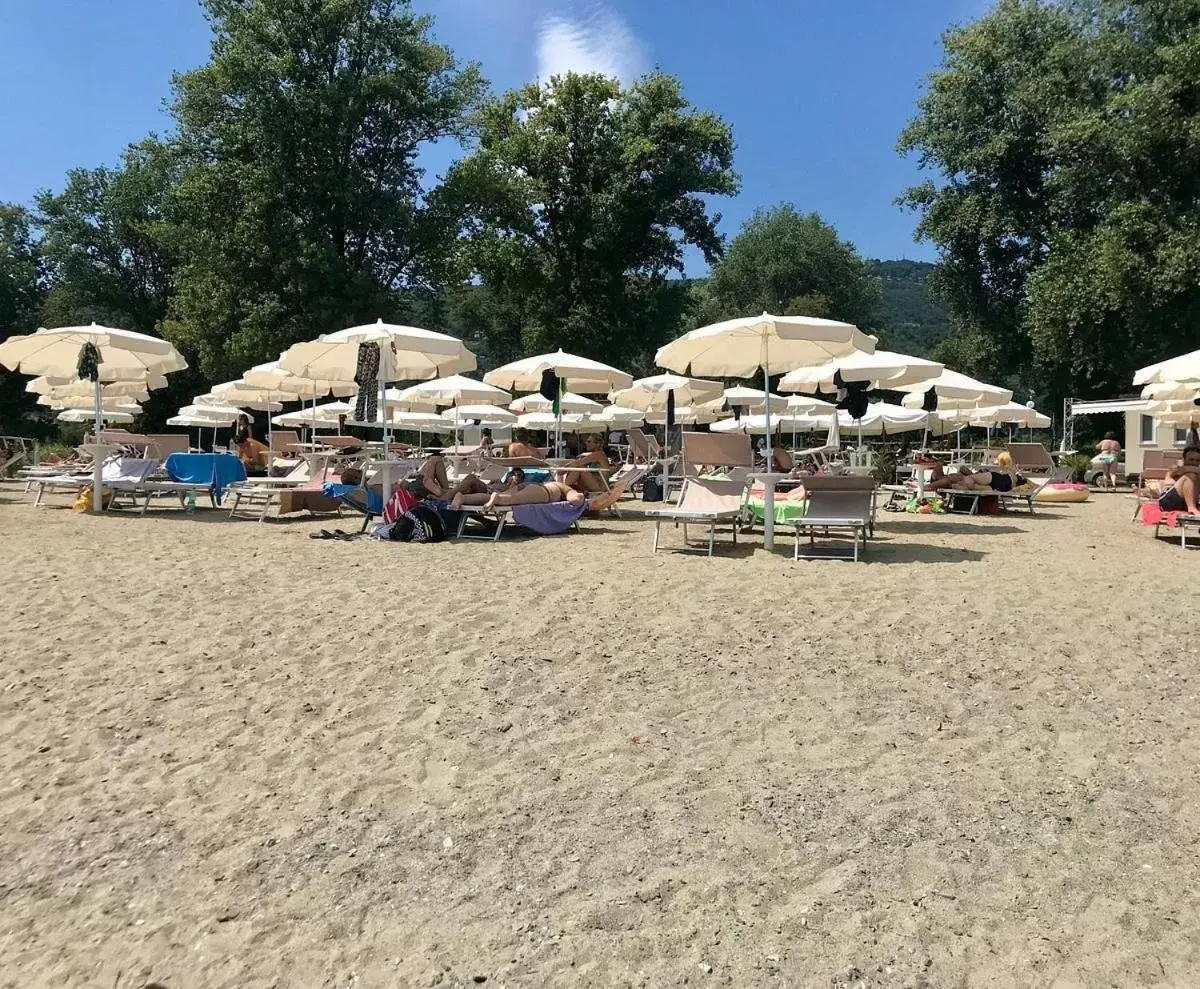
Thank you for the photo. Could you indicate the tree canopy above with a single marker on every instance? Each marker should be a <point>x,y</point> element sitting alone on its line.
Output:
<point>1067,214</point>
<point>303,208</point>
<point>791,264</point>
<point>581,196</point>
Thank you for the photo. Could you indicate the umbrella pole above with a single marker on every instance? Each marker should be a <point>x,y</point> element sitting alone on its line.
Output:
<point>768,482</point>
<point>385,471</point>
<point>97,481</point>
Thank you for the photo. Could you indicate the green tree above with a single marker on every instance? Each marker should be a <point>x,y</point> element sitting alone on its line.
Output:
<point>1068,212</point>
<point>790,264</point>
<point>106,239</point>
<point>303,209</point>
<point>581,198</point>
<point>22,288</point>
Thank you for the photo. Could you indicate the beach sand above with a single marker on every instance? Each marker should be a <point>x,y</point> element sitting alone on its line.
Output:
<point>233,756</point>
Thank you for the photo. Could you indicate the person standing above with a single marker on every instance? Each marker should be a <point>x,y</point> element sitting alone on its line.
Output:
<point>1109,456</point>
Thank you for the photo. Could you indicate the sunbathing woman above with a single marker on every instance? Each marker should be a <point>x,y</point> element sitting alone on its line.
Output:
<point>1002,478</point>
<point>473,484</point>
<point>431,480</point>
<point>522,494</point>
<point>594,456</point>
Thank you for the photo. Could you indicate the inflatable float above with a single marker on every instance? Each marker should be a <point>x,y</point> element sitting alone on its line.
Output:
<point>1062,494</point>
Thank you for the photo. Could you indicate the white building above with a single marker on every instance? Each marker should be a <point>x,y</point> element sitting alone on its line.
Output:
<point>1142,431</point>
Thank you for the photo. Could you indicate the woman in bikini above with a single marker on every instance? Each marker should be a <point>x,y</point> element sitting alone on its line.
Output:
<point>521,494</point>
<point>1001,478</point>
<point>588,481</point>
<point>1109,454</point>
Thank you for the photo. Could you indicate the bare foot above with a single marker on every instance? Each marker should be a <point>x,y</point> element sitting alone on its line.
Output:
<point>490,503</point>
<point>456,502</point>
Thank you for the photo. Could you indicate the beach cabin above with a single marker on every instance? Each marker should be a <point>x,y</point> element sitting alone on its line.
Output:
<point>1142,431</point>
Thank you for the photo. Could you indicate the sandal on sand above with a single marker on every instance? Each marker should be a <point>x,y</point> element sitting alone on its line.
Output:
<point>323,534</point>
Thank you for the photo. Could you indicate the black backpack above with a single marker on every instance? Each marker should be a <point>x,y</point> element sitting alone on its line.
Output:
<point>420,524</point>
<point>652,489</point>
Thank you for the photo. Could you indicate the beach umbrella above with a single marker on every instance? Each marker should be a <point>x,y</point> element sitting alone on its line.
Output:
<point>685,415</point>
<point>487,414</point>
<point>118,403</point>
<point>1166,391</point>
<point>274,379</point>
<point>619,415</point>
<point>882,418</point>
<point>954,391</point>
<point>406,353</point>
<point>757,424</point>
<point>233,397</point>
<point>547,420</point>
<point>1186,367</point>
<point>123,353</point>
<point>573,373</point>
<point>569,402</point>
<point>582,374</point>
<point>741,348</point>
<point>454,390</point>
<point>89,415</point>
<point>883,369</point>
<point>136,387</point>
<point>1009,412</point>
<point>97,353</point>
<point>742,399</point>
<point>651,393</point>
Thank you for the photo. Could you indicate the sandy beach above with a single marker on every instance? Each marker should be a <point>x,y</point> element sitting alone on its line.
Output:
<point>233,756</point>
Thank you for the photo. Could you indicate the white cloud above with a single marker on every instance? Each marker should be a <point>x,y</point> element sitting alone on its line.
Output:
<point>588,38</point>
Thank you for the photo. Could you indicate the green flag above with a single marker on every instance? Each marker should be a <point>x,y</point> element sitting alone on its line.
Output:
<point>558,397</point>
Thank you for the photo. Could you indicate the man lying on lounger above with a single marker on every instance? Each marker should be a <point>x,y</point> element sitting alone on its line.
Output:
<point>520,493</point>
<point>1181,496</point>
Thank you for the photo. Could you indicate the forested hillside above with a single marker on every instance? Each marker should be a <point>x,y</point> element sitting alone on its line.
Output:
<point>909,319</point>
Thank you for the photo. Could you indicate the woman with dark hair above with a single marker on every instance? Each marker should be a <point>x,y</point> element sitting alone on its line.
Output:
<point>1109,455</point>
<point>251,452</point>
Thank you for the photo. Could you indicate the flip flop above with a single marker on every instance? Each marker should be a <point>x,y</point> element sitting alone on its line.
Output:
<point>322,534</point>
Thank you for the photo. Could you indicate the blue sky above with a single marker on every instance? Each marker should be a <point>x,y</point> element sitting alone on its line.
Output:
<point>816,90</point>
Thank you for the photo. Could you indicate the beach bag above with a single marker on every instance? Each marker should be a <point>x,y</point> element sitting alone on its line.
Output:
<point>420,524</point>
<point>652,489</point>
<point>402,501</point>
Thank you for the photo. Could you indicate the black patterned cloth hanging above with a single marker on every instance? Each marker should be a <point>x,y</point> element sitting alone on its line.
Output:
<point>88,365</point>
<point>366,376</point>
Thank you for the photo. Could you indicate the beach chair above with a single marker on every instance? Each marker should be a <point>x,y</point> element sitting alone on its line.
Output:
<point>843,503</point>
<point>116,472</point>
<point>163,445</point>
<point>703,501</point>
<point>1156,465</point>
<point>263,492</point>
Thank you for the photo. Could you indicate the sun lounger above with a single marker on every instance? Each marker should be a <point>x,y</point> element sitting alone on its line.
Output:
<point>545,520</point>
<point>1156,465</point>
<point>163,445</point>
<point>705,501</point>
<point>118,473</point>
<point>844,503</point>
<point>263,492</point>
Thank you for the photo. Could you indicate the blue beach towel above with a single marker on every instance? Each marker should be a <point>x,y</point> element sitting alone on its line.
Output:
<point>216,469</point>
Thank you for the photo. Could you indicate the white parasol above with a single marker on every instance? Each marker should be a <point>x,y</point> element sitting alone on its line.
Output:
<point>121,354</point>
<point>740,348</point>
